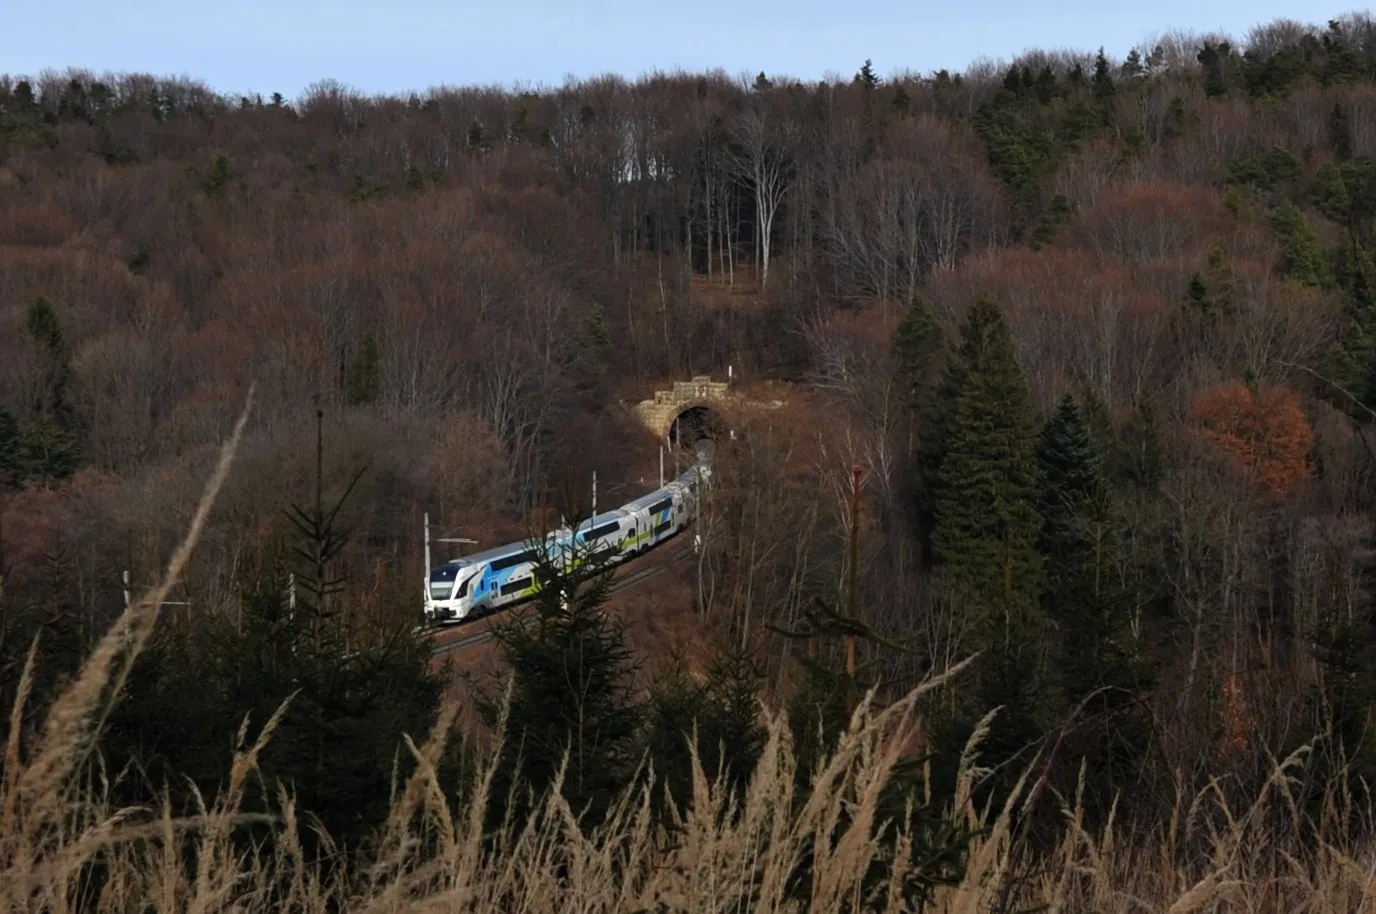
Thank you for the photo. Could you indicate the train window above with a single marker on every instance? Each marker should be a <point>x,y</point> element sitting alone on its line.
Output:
<point>512,560</point>
<point>662,527</point>
<point>662,505</point>
<point>516,586</point>
<point>601,531</point>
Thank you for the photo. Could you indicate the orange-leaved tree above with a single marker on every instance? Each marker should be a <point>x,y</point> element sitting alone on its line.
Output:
<point>1264,431</point>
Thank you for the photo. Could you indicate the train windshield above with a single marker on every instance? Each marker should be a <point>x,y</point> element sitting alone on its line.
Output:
<point>442,582</point>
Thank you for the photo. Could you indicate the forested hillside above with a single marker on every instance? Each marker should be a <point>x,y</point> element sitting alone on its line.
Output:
<point>1098,330</point>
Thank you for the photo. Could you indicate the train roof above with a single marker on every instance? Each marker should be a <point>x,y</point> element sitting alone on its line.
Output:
<point>495,552</point>
<point>598,520</point>
<point>648,499</point>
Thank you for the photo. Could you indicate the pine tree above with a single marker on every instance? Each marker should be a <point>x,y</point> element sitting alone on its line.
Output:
<point>723,711</point>
<point>217,177</point>
<point>11,473</point>
<point>1329,193</point>
<point>917,343</point>
<point>866,77</point>
<point>820,712</point>
<point>1300,245</point>
<point>1211,57</point>
<point>1102,81</point>
<point>595,335</point>
<point>1340,132</point>
<point>571,695</point>
<point>1133,66</point>
<point>1088,603</point>
<point>902,101</point>
<point>50,446</point>
<point>1071,468</point>
<point>987,525</point>
<point>354,696</point>
<point>1198,295</point>
<point>935,408</point>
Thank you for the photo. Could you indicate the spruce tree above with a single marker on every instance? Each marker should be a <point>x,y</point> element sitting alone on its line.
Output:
<point>1071,500</point>
<point>1198,295</point>
<point>1300,245</point>
<point>987,526</point>
<point>50,446</point>
<point>1102,81</point>
<point>917,344</point>
<point>723,711</point>
<point>820,712</point>
<point>1089,606</point>
<point>11,441</point>
<point>936,404</point>
<point>1070,466</point>
<point>355,692</point>
<point>572,694</point>
<point>1340,132</point>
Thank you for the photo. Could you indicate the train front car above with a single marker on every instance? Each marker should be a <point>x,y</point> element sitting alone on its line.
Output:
<point>451,592</point>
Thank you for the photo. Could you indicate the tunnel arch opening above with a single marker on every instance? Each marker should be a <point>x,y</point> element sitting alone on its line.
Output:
<point>696,423</point>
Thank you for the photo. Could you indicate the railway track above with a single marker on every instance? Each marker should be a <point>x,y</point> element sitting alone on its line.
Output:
<point>620,583</point>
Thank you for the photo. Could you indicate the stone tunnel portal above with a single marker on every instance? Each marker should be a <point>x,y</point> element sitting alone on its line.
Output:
<point>696,423</point>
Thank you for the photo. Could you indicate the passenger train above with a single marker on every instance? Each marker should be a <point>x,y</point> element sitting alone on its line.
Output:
<point>505,575</point>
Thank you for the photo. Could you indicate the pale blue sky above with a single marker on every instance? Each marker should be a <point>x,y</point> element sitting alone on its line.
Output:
<point>405,45</point>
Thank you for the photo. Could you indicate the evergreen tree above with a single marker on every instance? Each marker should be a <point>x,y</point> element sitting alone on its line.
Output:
<point>1211,56</point>
<point>595,344</point>
<point>1071,468</point>
<point>218,176</point>
<point>917,344</point>
<point>1303,253</point>
<point>1340,132</point>
<point>50,446</point>
<point>902,101</point>
<point>1329,193</point>
<point>1133,66</point>
<point>935,408</point>
<point>866,77</point>
<point>355,691</point>
<point>1198,295</point>
<point>723,711</point>
<point>571,695</point>
<point>820,713</point>
<point>11,472</point>
<point>987,526</point>
<point>361,381</point>
<point>1102,81</point>
<point>595,335</point>
<point>1088,605</point>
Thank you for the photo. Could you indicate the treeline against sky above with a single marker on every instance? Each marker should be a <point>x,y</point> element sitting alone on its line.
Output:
<point>1099,331</point>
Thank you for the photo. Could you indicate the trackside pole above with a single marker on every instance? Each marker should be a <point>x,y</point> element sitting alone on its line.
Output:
<point>594,493</point>
<point>425,588</point>
<point>661,466</point>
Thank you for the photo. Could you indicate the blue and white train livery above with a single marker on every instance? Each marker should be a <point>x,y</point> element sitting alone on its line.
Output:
<point>486,581</point>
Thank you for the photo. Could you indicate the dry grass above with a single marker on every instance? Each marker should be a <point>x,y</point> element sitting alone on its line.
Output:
<point>57,829</point>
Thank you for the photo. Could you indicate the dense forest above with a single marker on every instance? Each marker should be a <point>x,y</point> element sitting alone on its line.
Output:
<point>1097,332</point>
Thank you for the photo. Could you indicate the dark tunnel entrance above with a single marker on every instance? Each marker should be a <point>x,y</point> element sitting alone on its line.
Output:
<point>695,424</point>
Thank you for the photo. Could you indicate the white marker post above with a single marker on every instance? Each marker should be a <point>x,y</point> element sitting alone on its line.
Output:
<point>426,587</point>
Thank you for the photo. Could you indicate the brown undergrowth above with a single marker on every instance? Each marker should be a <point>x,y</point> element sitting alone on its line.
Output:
<point>64,848</point>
